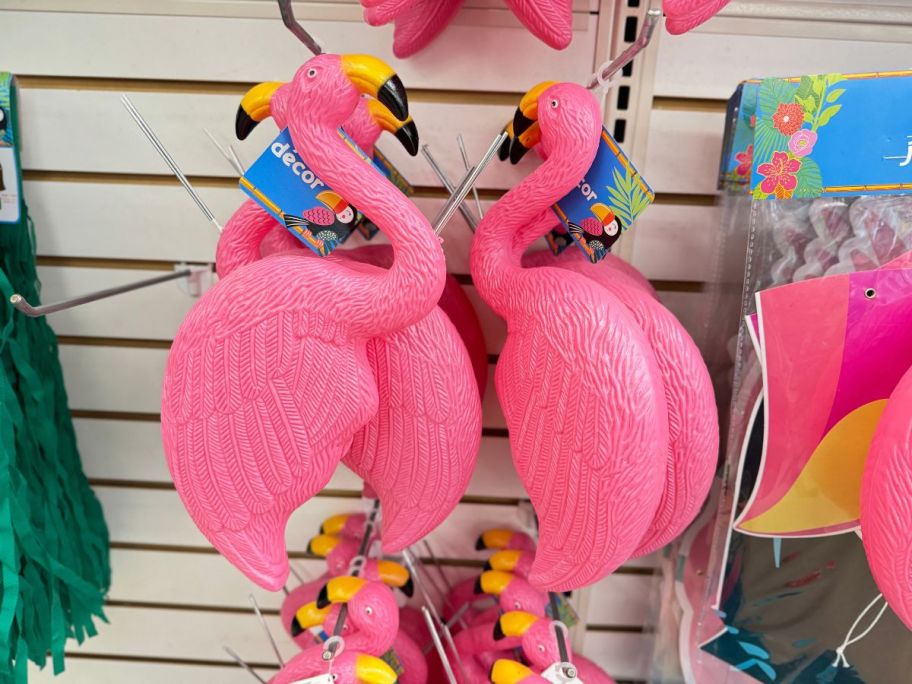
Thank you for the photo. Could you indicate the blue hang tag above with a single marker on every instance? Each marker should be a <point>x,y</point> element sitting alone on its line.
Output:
<point>365,226</point>
<point>10,180</point>
<point>294,195</point>
<point>558,240</point>
<point>606,202</point>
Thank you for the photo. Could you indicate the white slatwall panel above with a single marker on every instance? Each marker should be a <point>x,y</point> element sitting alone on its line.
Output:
<point>107,213</point>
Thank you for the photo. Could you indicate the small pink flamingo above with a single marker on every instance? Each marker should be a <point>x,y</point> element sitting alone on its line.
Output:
<point>349,525</point>
<point>684,15</point>
<point>886,502</point>
<point>512,592</point>
<point>693,422</point>
<point>539,645</point>
<point>339,553</point>
<point>574,351</point>
<point>349,667</point>
<point>502,538</point>
<point>511,560</point>
<point>419,22</point>
<point>268,379</point>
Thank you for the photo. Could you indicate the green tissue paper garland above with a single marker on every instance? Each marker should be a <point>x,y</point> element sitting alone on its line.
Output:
<point>53,537</point>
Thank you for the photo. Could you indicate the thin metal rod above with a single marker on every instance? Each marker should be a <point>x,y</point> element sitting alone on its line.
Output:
<point>559,634</point>
<point>436,562</point>
<point>438,644</point>
<point>411,563</point>
<point>448,184</point>
<point>23,305</point>
<point>470,178</point>
<point>240,661</point>
<point>169,160</point>
<point>298,575</point>
<point>607,71</point>
<point>456,617</point>
<point>288,18</point>
<point>272,641</point>
<point>330,651</point>
<point>229,156</point>
<point>465,162</point>
<point>237,161</point>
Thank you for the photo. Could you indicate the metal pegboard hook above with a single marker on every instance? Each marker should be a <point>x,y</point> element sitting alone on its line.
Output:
<point>604,75</point>
<point>288,18</point>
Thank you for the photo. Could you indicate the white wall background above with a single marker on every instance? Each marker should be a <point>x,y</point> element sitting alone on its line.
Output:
<point>107,212</point>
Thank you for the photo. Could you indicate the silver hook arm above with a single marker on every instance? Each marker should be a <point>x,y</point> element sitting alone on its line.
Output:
<point>23,305</point>
<point>607,71</point>
<point>448,185</point>
<point>465,162</point>
<point>288,18</point>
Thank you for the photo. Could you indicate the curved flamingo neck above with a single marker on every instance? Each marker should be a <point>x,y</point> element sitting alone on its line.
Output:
<point>386,301</point>
<point>516,219</point>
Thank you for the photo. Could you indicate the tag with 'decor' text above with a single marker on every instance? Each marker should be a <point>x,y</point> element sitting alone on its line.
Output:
<point>287,188</point>
<point>606,202</point>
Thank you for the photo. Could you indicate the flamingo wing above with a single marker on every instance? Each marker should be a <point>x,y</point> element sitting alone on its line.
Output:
<point>419,451</point>
<point>257,409</point>
<point>551,21</point>
<point>588,429</point>
<point>420,24</point>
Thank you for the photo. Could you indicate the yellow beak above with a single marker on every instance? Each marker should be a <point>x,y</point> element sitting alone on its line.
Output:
<point>339,590</point>
<point>527,133</point>
<point>405,131</point>
<point>513,624</point>
<point>394,575</point>
<point>508,672</point>
<point>322,544</point>
<point>254,107</point>
<point>493,582</point>
<point>371,670</point>
<point>308,616</point>
<point>505,560</point>
<point>494,539</point>
<point>374,77</point>
<point>334,524</point>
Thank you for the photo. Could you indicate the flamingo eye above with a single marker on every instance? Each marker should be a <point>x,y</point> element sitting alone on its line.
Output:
<point>311,72</point>
<point>517,605</point>
<point>541,648</point>
<point>368,610</point>
<point>554,104</point>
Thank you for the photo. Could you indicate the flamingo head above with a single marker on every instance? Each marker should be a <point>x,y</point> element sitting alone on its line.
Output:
<point>512,592</point>
<point>503,538</point>
<point>326,90</point>
<point>505,671</point>
<point>511,560</point>
<point>536,634</point>
<point>344,524</point>
<point>371,605</point>
<point>339,552</point>
<point>307,616</point>
<point>348,666</point>
<point>560,116</point>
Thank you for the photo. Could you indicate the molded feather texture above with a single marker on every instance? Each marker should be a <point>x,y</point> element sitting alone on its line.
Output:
<point>693,423</point>
<point>551,21</point>
<point>683,15</point>
<point>245,425</point>
<point>379,12</point>
<point>886,502</point>
<point>420,24</point>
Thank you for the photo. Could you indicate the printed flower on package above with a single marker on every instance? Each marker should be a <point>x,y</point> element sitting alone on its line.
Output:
<point>790,116</point>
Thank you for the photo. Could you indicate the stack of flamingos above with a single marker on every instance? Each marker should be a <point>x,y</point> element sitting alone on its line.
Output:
<point>609,407</point>
<point>292,363</point>
<point>419,22</point>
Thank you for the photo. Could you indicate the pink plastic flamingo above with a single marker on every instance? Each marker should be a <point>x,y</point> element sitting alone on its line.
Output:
<point>502,538</point>
<point>573,351</point>
<point>512,592</point>
<point>350,667</point>
<point>511,560</point>
<point>539,645</point>
<point>268,379</point>
<point>684,15</point>
<point>507,671</point>
<point>693,423</point>
<point>886,502</point>
<point>419,22</point>
<point>339,553</point>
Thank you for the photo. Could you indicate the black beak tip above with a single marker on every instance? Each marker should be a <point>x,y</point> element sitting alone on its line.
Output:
<point>323,598</point>
<point>296,628</point>
<point>480,544</point>
<point>503,152</point>
<point>243,124</point>
<point>568,594</point>
<point>498,632</point>
<point>408,136</point>
<point>478,588</point>
<point>408,588</point>
<point>521,123</point>
<point>393,96</point>
<point>517,151</point>
<point>487,566</point>
<point>322,529</point>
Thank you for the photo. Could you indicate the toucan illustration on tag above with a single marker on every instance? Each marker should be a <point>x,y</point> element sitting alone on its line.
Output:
<point>598,231</point>
<point>331,223</point>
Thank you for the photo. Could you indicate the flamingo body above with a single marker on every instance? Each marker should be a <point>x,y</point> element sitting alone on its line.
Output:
<point>346,668</point>
<point>693,424</point>
<point>684,15</point>
<point>573,353</point>
<point>886,502</point>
